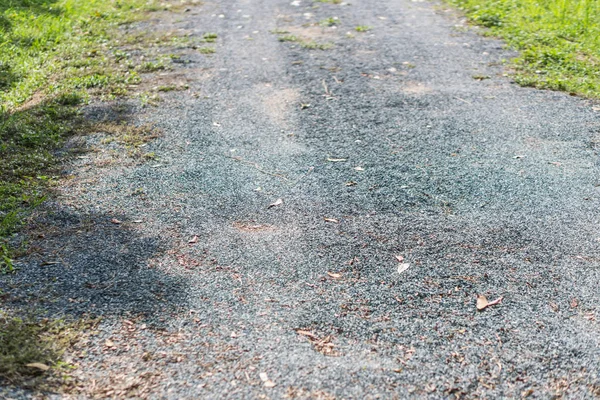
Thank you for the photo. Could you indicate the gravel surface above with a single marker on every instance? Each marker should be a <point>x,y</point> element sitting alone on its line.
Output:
<point>388,146</point>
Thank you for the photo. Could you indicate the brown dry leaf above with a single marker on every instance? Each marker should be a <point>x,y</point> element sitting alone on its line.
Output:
<point>403,267</point>
<point>331,220</point>
<point>40,366</point>
<point>193,240</point>
<point>334,275</point>
<point>574,303</point>
<point>115,221</point>
<point>276,203</point>
<point>481,302</point>
<point>109,343</point>
<point>330,159</point>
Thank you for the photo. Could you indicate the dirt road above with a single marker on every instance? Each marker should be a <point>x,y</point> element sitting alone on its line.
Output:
<point>323,209</point>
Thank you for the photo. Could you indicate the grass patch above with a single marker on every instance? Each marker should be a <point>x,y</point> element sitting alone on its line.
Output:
<point>362,28</point>
<point>559,40</point>
<point>312,45</point>
<point>207,50</point>
<point>210,37</point>
<point>45,43</point>
<point>28,141</point>
<point>152,66</point>
<point>305,43</point>
<point>31,347</point>
<point>331,21</point>
<point>53,55</point>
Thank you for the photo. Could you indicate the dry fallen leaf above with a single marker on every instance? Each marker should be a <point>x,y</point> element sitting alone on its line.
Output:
<point>574,303</point>
<point>115,221</point>
<point>482,302</point>
<point>269,384</point>
<point>263,376</point>
<point>109,343</point>
<point>193,240</point>
<point>399,258</point>
<point>277,202</point>
<point>331,220</point>
<point>330,159</point>
<point>334,275</point>
<point>403,267</point>
<point>554,306</point>
<point>40,366</point>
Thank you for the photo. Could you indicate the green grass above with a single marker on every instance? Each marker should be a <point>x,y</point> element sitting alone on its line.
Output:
<point>53,55</point>
<point>305,43</point>
<point>28,140</point>
<point>362,28</point>
<point>210,37</point>
<point>31,347</point>
<point>331,21</point>
<point>55,45</point>
<point>207,50</point>
<point>558,40</point>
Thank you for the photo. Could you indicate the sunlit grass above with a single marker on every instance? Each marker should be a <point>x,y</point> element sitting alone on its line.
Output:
<point>559,40</point>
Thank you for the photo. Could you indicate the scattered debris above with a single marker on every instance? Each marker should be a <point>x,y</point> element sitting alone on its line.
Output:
<point>403,267</point>
<point>115,221</point>
<point>266,381</point>
<point>574,303</point>
<point>330,159</point>
<point>483,303</point>
<point>276,203</point>
<point>334,275</point>
<point>323,346</point>
<point>40,366</point>
<point>193,240</point>
<point>331,220</point>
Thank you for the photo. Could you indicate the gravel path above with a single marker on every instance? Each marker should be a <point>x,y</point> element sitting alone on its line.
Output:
<point>402,142</point>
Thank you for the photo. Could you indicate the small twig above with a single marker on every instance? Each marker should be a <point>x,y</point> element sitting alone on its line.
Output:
<point>463,100</point>
<point>258,167</point>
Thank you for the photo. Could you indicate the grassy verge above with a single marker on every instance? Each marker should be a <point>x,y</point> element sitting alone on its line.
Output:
<point>53,55</point>
<point>558,40</point>
<point>30,347</point>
